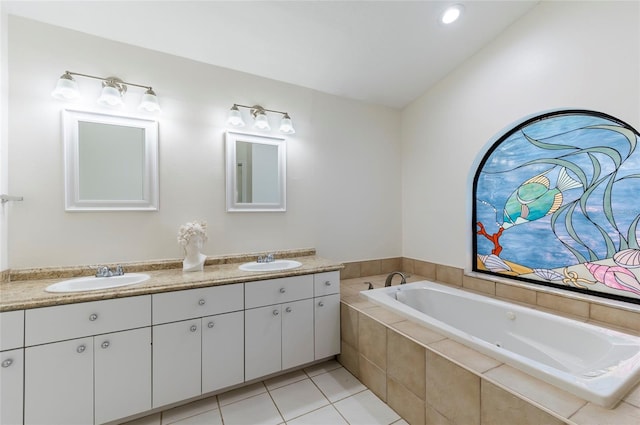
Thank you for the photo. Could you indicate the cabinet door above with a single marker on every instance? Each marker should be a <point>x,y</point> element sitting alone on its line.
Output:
<point>327,326</point>
<point>176,361</point>
<point>122,374</point>
<point>222,351</point>
<point>297,333</point>
<point>11,387</point>
<point>58,383</point>
<point>263,335</point>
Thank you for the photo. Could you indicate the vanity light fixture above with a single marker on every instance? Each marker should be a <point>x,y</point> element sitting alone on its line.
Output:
<point>451,14</point>
<point>113,90</point>
<point>260,119</point>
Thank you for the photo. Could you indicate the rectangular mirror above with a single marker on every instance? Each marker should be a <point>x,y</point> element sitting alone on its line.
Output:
<point>256,172</point>
<point>111,162</point>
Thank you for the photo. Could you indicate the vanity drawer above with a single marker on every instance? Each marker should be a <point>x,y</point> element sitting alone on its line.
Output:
<point>11,330</point>
<point>192,303</point>
<point>326,283</point>
<point>276,291</point>
<point>58,323</point>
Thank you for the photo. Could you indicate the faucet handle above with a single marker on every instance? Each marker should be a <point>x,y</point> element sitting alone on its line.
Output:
<point>119,270</point>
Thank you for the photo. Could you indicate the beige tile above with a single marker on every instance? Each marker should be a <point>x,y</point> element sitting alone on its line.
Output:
<point>424,269</point>
<point>433,417</point>
<point>373,377</point>
<point>546,395</point>
<point>516,293</point>
<point>370,268</point>
<point>406,362</point>
<point>468,357</point>
<point>500,407</point>
<point>418,332</point>
<point>479,285</point>
<point>191,409</point>
<point>563,304</point>
<point>372,340</point>
<point>358,302</point>
<point>349,358</point>
<point>384,315</point>
<point>452,390</point>
<point>403,401</point>
<point>388,265</point>
<point>350,270</point>
<point>349,325</point>
<point>407,265</point>
<point>623,414</point>
<point>448,274</point>
<point>633,397</point>
<point>617,317</point>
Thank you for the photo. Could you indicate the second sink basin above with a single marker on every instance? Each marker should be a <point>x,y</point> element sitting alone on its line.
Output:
<point>273,266</point>
<point>91,283</point>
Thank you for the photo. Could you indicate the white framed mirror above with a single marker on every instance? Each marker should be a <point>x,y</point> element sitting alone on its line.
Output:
<point>256,172</point>
<point>110,162</point>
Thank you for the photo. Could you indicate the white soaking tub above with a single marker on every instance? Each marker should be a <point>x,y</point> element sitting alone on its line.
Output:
<point>597,364</point>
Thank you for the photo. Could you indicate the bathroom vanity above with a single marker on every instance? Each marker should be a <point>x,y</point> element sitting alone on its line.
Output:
<point>98,357</point>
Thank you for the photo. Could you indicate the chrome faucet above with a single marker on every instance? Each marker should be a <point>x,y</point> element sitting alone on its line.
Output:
<point>266,258</point>
<point>105,271</point>
<point>388,281</point>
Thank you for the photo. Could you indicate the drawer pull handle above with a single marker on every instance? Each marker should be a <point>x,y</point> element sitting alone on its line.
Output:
<point>321,304</point>
<point>81,348</point>
<point>93,317</point>
<point>276,312</point>
<point>282,290</point>
<point>328,283</point>
<point>288,310</point>
<point>105,344</point>
<point>202,302</point>
<point>211,324</point>
<point>7,363</point>
<point>193,328</point>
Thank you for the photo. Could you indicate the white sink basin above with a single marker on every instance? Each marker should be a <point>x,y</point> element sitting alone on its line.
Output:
<point>91,283</point>
<point>273,266</point>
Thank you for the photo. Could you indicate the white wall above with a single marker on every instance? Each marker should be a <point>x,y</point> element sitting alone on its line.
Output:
<point>561,54</point>
<point>4,175</point>
<point>343,162</point>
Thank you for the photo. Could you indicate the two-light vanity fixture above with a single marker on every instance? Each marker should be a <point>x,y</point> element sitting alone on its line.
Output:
<point>261,122</point>
<point>113,90</point>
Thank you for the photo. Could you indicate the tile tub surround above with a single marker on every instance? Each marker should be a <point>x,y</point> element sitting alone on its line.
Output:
<point>428,378</point>
<point>25,294</point>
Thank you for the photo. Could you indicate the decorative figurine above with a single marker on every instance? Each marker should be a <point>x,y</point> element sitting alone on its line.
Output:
<point>192,236</point>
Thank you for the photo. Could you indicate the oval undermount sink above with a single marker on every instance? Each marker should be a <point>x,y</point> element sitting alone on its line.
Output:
<point>92,283</point>
<point>273,266</point>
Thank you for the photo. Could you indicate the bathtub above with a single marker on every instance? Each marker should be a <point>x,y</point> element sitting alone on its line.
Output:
<point>597,364</point>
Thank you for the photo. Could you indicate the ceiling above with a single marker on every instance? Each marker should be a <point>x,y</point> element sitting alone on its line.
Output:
<point>381,52</point>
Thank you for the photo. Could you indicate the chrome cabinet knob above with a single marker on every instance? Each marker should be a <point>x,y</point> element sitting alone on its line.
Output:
<point>328,283</point>
<point>321,304</point>
<point>210,324</point>
<point>202,302</point>
<point>93,317</point>
<point>7,363</point>
<point>282,290</point>
<point>105,344</point>
<point>81,348</point>
<point>276,312</point>
<point>288,310</point>
<point>193,328</point>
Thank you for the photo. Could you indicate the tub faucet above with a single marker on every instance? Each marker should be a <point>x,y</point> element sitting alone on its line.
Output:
<point>388,281</point>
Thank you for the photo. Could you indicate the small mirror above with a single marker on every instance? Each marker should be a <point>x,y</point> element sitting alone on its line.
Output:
<point>256,172</point>
<point>111,162</point>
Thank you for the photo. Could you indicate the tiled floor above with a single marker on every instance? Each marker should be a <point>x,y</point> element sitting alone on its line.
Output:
<point>324,394</point>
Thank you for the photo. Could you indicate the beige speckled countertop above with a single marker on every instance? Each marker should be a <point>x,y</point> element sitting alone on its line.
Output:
<point>30,293</point>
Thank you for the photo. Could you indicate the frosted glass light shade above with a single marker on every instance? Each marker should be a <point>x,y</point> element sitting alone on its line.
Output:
<point>149,102</point>
<point>66,88</point>
<point>452,14</point>
<point>262,123</point>
<point>110,96</point>
<point>235,118</point>
<point>286,126</point>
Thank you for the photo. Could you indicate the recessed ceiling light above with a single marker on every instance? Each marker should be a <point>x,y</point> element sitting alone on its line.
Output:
<point>451,14</point>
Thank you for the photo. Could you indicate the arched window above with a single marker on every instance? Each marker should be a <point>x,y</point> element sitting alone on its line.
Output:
<point>557,203</point>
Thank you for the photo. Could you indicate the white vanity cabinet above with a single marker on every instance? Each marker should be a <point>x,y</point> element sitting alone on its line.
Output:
<point>11,366</point>
<point>278,325</point>
<point>197,342</point>
<point>326,314</point>
<point>94,364</point>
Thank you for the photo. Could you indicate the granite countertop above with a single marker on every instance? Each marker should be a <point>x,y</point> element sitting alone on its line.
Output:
<point>30,293</point>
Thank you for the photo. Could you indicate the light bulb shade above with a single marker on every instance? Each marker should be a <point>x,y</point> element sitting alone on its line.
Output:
<point>110,96</point>
<point>262,123</point>
<point>286,126</point>
<point>149,102</point>
<point>66,88</point>
<point>235,118</point>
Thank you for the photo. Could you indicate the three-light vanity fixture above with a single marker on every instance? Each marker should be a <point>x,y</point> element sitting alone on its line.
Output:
<point>113,90</point>
<point>261,122</point>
